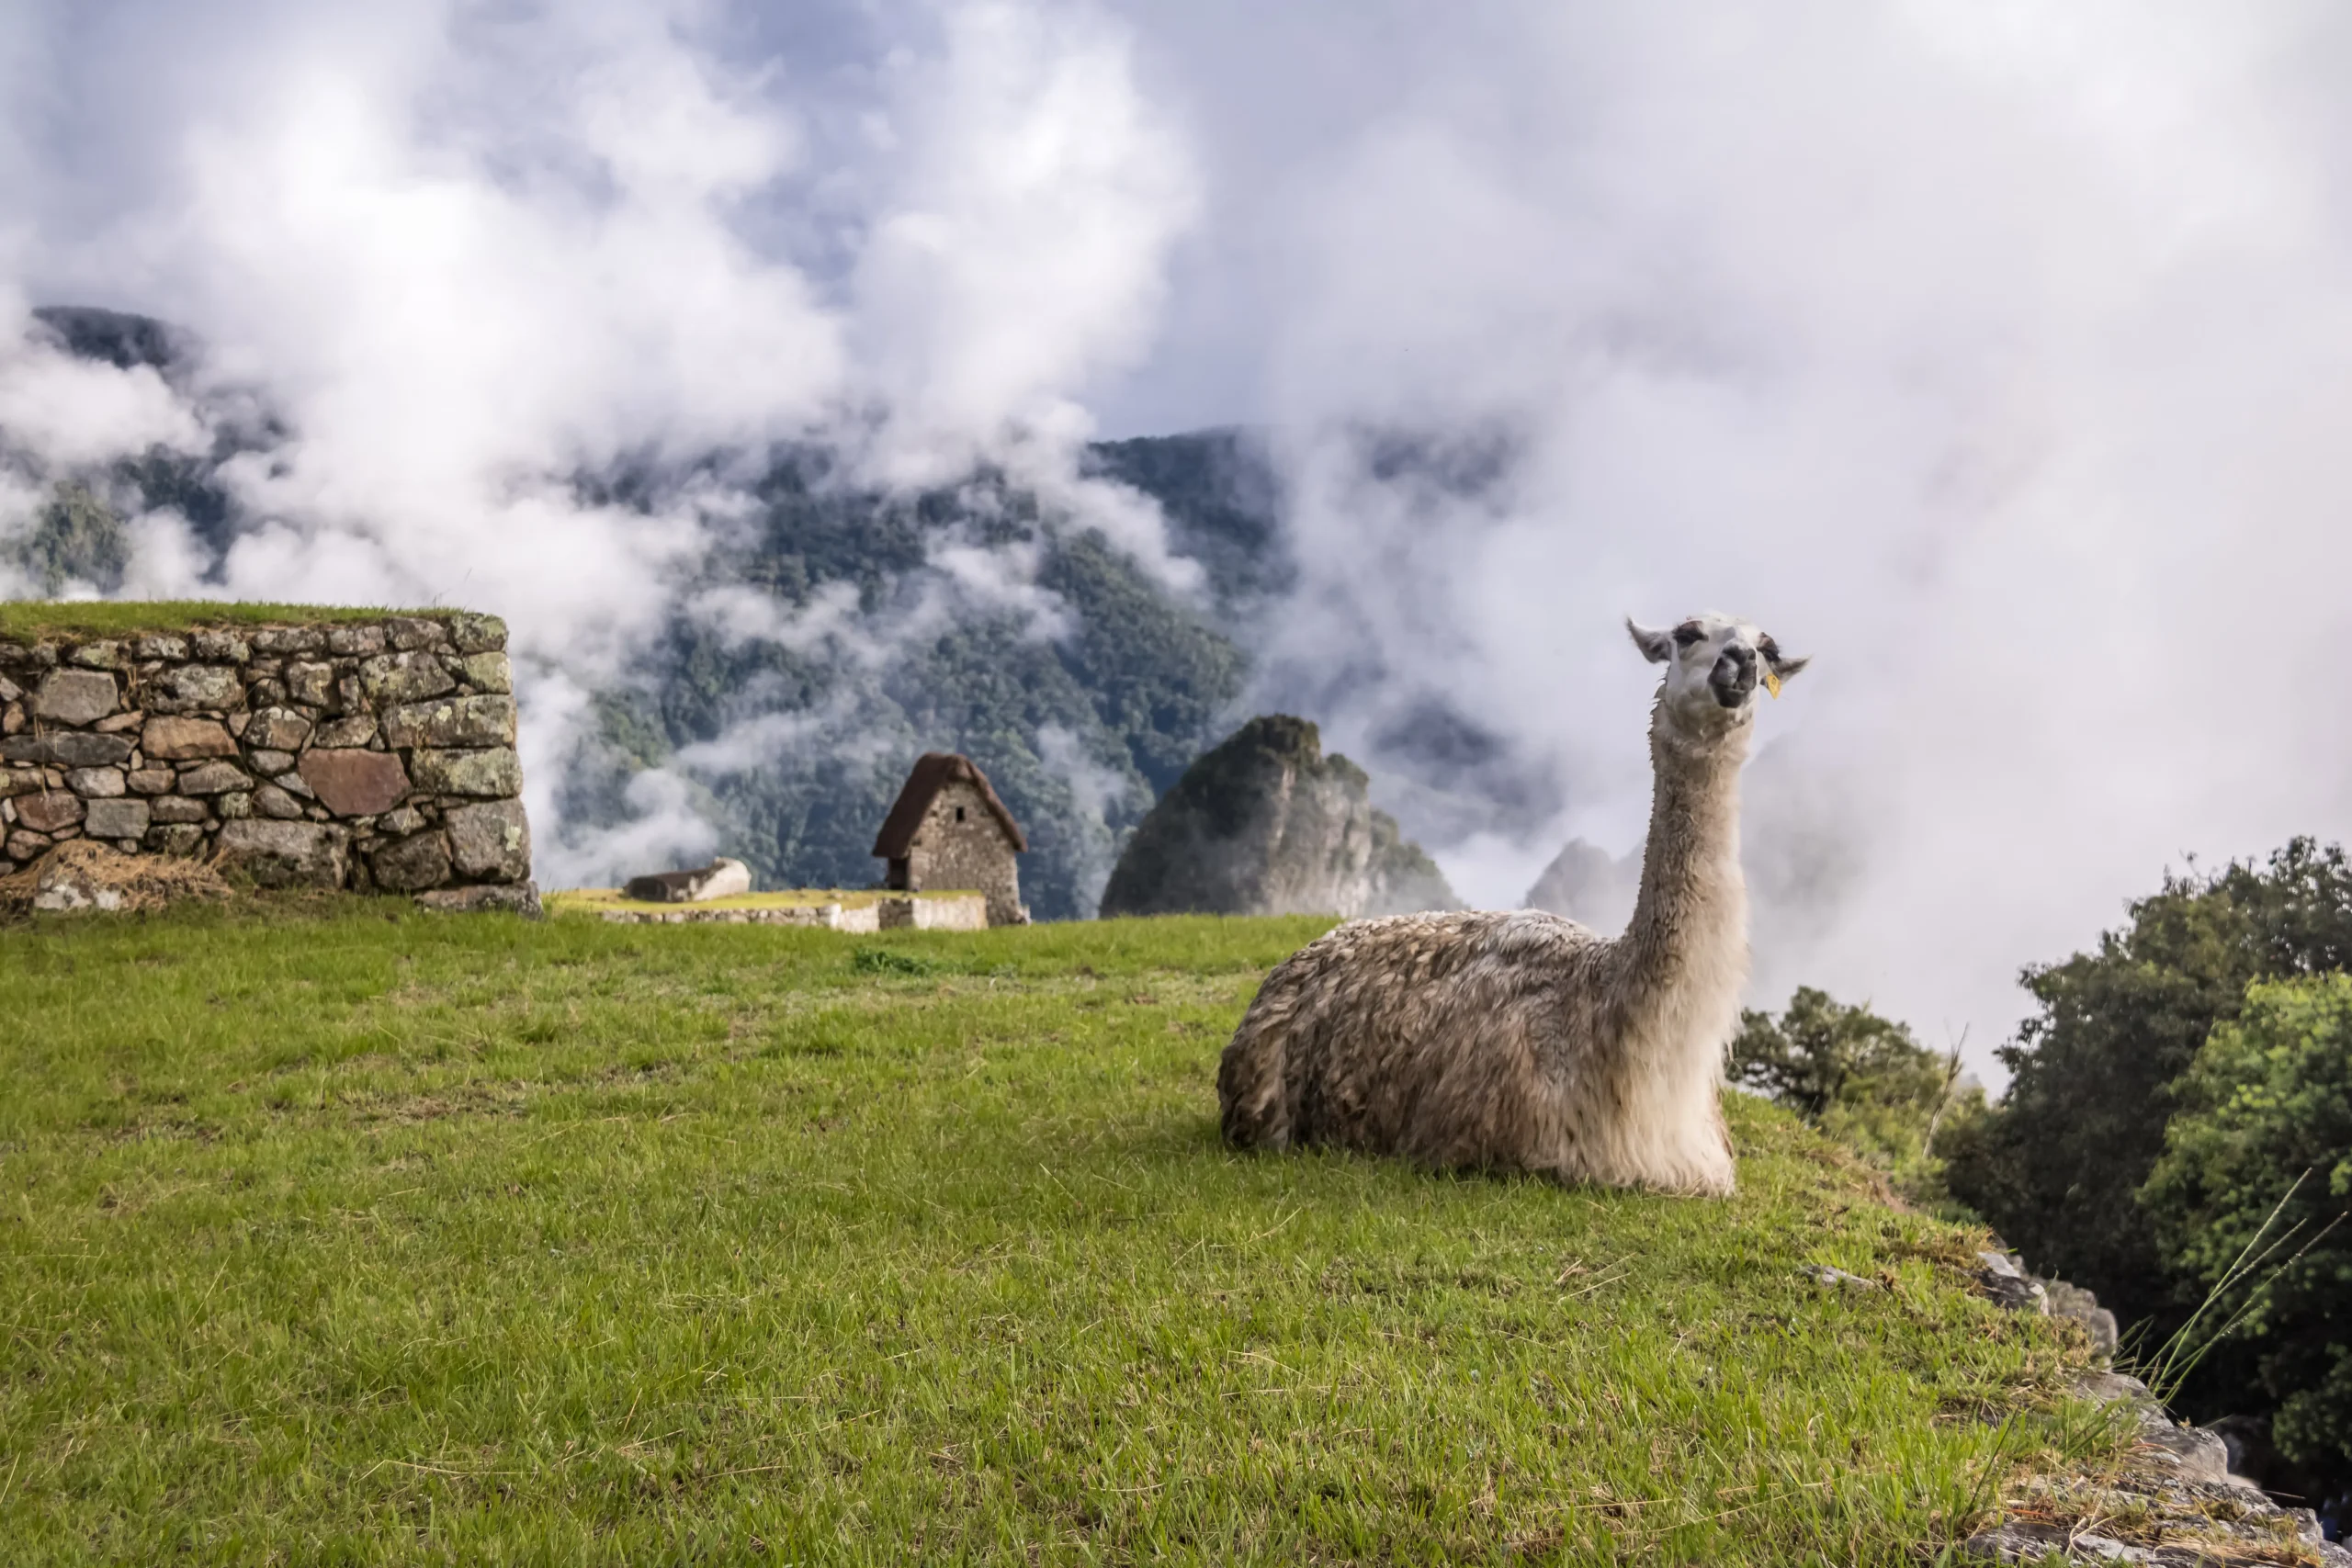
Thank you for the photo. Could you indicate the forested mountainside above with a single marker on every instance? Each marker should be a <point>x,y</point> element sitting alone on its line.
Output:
<point>835,631</point>
<point>802,737</point>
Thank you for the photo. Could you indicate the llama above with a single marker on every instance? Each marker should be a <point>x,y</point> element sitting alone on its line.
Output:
<point>1518,1040</point>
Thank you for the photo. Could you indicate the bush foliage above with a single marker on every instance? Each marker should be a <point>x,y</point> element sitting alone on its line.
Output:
<point>2258,1157</point>
<point>2058,1166</point>
<point>1861,1079</point>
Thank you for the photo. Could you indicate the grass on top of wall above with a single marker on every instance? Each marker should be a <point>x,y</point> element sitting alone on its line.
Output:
<point>34,620</point>
<point>349,1234</point>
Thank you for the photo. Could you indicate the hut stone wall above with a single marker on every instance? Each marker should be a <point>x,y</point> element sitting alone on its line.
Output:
<point>961,847</point>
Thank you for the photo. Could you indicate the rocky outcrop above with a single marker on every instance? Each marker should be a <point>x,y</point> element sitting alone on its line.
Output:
<point>2173,1500</point>
<point>375,753</point>
<point>1265,824</point>
<point>1589,886</point>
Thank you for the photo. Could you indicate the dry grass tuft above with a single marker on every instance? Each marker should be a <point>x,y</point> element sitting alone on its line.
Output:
<point>136,882</point>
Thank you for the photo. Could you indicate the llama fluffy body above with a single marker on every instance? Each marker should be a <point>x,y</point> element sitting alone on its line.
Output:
<point>1521,1040</point>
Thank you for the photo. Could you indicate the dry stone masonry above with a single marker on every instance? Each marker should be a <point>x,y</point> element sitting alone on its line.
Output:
<point>370,755</point>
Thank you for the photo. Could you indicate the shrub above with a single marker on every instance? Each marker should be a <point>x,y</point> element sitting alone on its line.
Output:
<point>2057,1166</point>
<point>2263,1137</point>
<point>1860,1079</point>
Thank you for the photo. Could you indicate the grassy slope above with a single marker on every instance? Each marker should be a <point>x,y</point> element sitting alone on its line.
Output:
<point>29,620</point>
<point>369,1236</point>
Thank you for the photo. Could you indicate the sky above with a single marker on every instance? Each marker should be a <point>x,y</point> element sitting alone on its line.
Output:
<point>1991,353</point>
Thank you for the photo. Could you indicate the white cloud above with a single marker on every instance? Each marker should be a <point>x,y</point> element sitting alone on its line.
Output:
<point>467,255</point>
<point>1994,354</point>
<point>1995,357</point>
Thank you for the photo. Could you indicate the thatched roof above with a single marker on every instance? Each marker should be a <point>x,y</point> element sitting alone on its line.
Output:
<point>933,772</point>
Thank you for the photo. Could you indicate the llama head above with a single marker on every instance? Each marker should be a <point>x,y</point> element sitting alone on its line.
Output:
<point>1713,664</point>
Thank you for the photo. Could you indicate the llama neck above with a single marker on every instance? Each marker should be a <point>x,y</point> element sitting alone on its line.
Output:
<point>1684,955</point>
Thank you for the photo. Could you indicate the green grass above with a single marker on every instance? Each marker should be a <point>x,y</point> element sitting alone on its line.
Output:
<point>364,1236</point>
<point>31,620</point>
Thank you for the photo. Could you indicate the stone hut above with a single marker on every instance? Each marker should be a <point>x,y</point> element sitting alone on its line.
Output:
<point>948,832</point>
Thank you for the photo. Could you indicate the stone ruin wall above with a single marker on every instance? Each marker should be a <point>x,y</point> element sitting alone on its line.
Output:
<point>374,755</point>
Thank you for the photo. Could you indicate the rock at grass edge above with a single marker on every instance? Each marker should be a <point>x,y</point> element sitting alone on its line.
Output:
<point>285,854</point>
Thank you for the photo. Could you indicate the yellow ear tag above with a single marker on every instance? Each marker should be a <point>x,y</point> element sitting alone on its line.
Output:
<point>1771,681</point>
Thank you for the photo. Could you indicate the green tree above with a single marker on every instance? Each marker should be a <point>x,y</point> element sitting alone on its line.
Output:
<point>2262,1142</point>
<point>78,538</point>
<point>1859,1077</point>
<point>2058,1164</point>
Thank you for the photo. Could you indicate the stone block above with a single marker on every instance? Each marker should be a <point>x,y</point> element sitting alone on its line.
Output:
<point>20,780</point>
<point>309,683</point>
<point>265,762</point>
<point>173,648</point>
<point>486,671</point>
<point>9,690</point>
<point>117,820</point>
<point>476,634</point>
<point>494,899</point>
<point>277,729</point>
<point>410,633</point>
<point>453,721</point>
<point>285,854</point>
<point>407,819</point>
<point>222,645</point>
<point>266,692</point>
<point>95,783</point>
<point>97,655</point>
<point>357,639</point>
<point>271,801</point>
<point>291,783</point>
<point>393,678</point>
<point>121,723</point>
<point>49,811</point>
<point>176,840</point>
<point>184,688</point>
<point>12,718</point>
<point>356,730</point>
<point>352,783</point>
<point>186,739</point>
<point>213,778</point>
<point>70,748</point>
<point>411,864</point>
<point>152,781</point>
<point>492,840</point>
<point>498,772</point>
<point>289,639</point>
<point>233,806</point>
<point>179,808</point>
<point>26,846</point>
<point>76,696</point>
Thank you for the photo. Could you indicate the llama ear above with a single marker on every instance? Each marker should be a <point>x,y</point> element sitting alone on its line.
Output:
<point>1656,647</point>
<point>1781,664</point>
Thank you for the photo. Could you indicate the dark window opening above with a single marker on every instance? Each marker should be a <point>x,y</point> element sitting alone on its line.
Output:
<point>959,814</point>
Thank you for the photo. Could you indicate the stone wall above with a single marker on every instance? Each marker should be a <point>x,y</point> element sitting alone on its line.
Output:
<point>961,846</point>
<point>370,755</point>
<point>928,912</point>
